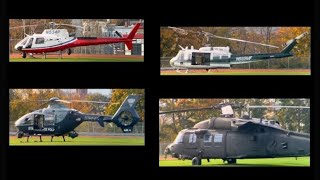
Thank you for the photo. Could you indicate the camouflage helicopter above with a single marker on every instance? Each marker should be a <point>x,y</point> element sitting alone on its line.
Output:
<point>59,120</point>
<point>230,138</point>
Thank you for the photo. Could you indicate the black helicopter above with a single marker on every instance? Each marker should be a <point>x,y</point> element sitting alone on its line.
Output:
<point>59,120</point>
<point>230,138</point>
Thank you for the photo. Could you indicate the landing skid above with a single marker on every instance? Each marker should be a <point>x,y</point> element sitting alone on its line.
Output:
<point>178,71</point>
<point>44,55</point>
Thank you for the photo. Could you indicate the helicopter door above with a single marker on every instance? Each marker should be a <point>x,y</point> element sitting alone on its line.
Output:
<point>214,145</point>
<point>200,58</point>
<point>190,140</point>
<point>29,44</point>
<point>38,121</point>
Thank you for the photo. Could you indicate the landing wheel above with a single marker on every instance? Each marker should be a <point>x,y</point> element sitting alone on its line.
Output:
<point>232,161</point>
<point>19,134</point>
<point>69,51</point>
<point>24,55</point>
<point>73,134</point>
<point>196,161</point>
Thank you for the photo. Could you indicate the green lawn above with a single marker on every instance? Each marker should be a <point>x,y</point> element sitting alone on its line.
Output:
<point>237,73</point>
<point>268,162</point>
<point>77,60</point>
<point>80,141</point>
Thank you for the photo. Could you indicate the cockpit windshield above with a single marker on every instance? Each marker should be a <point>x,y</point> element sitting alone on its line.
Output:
<point>25,120</point>
<point>179,138</point>
<point>24,41</point>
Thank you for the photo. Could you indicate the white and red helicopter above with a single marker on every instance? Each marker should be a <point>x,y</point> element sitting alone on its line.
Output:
<point>58,40</point>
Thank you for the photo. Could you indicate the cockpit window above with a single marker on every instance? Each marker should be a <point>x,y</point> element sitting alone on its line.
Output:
<point>23,41</point>
<point>39,40</point>
<point>29,43</point>
<point>207,138</point>
<point>179,138</point>
<point>192,138</point>
<point>28,121</point>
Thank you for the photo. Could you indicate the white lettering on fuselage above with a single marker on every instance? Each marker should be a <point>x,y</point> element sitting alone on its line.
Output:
<point>243,58</point>
<point>91,118</point>
<point>48,129</point>
<point>52,31</point>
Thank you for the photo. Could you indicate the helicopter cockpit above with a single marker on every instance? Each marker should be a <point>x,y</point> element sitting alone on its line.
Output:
<point>22,43</point>
<point>25,120</point>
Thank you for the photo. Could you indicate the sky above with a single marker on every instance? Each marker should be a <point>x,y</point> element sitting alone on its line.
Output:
<point>105,92</point>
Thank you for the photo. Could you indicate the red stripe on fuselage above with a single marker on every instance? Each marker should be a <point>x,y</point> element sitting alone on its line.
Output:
<point>77,43</point>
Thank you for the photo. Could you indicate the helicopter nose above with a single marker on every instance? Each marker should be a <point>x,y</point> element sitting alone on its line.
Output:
<point>167,150</point>
<point>171,150</point>
<point>172,61</point>
<point>18,47</point>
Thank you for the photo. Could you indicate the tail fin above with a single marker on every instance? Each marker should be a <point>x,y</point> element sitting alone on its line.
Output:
<point>127,116</point>
<point>289,45</point>
<point>131,35</point>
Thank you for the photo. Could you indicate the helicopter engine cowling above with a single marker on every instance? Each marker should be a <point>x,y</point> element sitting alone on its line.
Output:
<point>220,123</point>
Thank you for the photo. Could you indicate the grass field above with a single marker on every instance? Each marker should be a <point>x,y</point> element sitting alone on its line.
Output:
<point>245,72</point>
<point>268,162</point>
<point>79,141</point>
<point>77,60</point>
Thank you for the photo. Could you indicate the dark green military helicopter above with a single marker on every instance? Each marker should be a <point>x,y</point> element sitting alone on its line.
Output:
<point>230,138</point>
<point>59,120</point>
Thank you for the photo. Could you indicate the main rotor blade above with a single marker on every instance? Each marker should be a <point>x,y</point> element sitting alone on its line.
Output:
<point>240,40</point>
<point>296,107</point>
<point>22,26</point>
<point>99,102</point>
<point>64,101</point>
<point>186,110</point>
<point>208,34</point>
<point>70,25</point>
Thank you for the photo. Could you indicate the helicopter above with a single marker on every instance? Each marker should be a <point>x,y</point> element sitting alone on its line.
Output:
<point>59,120</point>
<point>58,40</point>
<point>230,138</point>
<point>221,57</point>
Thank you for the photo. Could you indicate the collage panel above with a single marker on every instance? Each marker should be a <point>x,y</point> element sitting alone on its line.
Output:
<point>252,50</point>
<point>76,40</point>
<point>76,117</point>
<point>231,132</point>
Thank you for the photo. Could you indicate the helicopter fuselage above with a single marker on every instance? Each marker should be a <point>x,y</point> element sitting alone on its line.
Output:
<point>231,138</point>
<point>49,121</point>
<point>217,57</point>
<point>59,40</point>
<point>58,120</point>
<point>53,40</point>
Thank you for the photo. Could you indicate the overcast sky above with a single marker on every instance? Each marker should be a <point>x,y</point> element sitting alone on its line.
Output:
<point>105,92</point>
